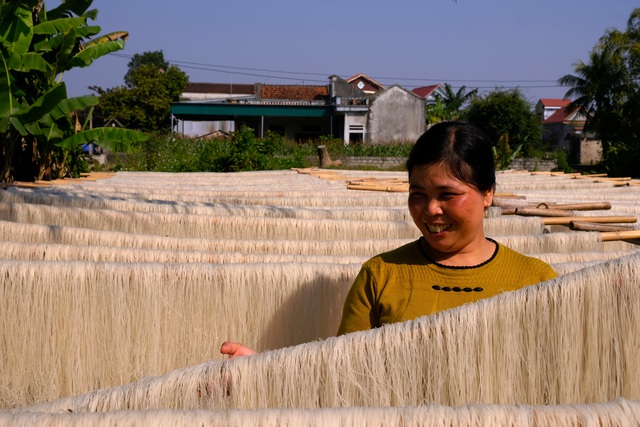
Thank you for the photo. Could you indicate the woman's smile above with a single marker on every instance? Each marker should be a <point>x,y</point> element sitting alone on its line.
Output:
<point>449,213</point>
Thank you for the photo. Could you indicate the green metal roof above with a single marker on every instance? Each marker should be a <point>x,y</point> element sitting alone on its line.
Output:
<point>203,111</point>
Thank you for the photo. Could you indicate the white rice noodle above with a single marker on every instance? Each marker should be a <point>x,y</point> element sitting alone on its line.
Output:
<point>571,340</point>
<point>63,199</point>
<point>36,233</point>
<point>185,225</point>
<point>620,412</point>
<point>558,242</point>
<point>507,225</point>
<point>555,258</point>
<point>71,327</point>
<point>57,252</point>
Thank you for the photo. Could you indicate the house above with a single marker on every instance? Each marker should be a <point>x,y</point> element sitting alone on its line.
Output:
<point>395,115</point>
<point>430,93</point>
<point>366,84</point>
<point>306,112</point>
<point>206,92</point>
<point>563,128</point>
<point>545,107</point>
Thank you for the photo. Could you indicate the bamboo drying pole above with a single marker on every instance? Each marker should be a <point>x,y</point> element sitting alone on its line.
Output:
<point>632,236</point>
<point>399,188</point>
<point>576,206</point>
<point>590,226</point>
<point>593,175</point>
<point>507,196</point>
<point>543,212</point>
<point>597,219</point>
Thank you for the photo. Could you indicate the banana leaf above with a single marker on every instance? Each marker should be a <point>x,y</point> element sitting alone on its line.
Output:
<point>113,139</point>
<point>16,25</point>
<point>61,25</point>
<point>85,57</point>
<point>31,61</point>
<point>78,7</point>
<point>44,105</point>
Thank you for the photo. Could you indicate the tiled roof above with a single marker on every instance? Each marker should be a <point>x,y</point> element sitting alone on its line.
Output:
<point>425,91</point>
<point>551,102</point>
<point>370,84</point>
<point>563,115</point>
<point>245,89</point>
<point>295,93</point>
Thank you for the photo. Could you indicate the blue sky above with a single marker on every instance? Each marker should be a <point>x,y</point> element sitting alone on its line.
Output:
<point>477,43</point>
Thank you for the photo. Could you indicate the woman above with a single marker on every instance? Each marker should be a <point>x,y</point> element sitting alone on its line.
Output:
<point>451,185</point>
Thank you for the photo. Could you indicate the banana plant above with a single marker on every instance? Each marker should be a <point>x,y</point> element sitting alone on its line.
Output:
<point>37,118</point>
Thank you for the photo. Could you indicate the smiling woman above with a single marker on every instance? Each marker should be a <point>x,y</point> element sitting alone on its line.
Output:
<point>451,184</point>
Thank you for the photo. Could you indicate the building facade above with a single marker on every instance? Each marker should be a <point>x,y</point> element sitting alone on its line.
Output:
<point>304,112</point>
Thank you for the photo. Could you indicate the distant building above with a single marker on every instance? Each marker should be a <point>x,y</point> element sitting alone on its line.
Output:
<point>546,107</point>
<point>563,128</point>
<point>428,93</point>
<point>366,84</point>
<point>372,115</point>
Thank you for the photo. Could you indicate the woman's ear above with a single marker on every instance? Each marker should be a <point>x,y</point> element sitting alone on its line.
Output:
<point>488,198</point>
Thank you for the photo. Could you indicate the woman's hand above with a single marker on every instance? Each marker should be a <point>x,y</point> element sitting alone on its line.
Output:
<point>234,349</point>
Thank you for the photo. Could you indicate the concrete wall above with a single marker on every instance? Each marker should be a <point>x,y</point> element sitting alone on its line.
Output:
<point>384,163</point>
<point>395,115</point>
<point>398,163</point>
<point>533,164</point>
<point>590,152</point>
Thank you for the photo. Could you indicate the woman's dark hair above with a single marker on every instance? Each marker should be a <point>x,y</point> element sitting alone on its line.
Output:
<point>465,149</point>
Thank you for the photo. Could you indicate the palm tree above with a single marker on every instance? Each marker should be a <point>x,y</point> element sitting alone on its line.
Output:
<point>448,106</point>
<point>599,87</point>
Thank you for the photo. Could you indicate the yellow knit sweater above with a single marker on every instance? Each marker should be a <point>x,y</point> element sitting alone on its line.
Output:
<point>404,284</point>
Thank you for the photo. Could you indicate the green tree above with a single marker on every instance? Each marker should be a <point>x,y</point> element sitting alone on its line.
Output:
<point>449,106</point>
<point>155,58</point>
<point>39,129</point>
<point>608,85</point>
<point>507,112</point>
<point>598,88</point>
<point>145,102</point>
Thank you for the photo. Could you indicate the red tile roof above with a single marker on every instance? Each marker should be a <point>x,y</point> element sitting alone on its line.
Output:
<point>563,115</point>
<point>551,102</point>
<point>295,93</point>
<point>370,85</point>
<point>425,91</point>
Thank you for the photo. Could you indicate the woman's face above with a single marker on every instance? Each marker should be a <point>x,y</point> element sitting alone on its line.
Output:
<point>448,212</point>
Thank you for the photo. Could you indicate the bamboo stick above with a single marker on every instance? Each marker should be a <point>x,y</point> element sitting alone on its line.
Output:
<point>593,175</point>
<point>393,188</point>
<point>597,219</point>
<point>590,226</point>
<point>614,180</point>
<point>507,211</point>
<point>543,212</point>
<point>378,181</point>
<point>576,206</point>
<point>511,203</point>
<point>507,196</point>
<point>620,235</point>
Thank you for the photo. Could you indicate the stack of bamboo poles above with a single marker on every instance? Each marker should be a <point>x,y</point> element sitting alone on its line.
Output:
<point>141,274</point>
